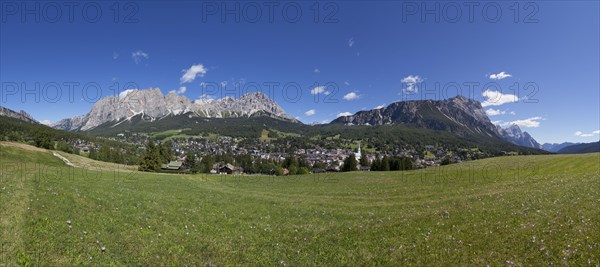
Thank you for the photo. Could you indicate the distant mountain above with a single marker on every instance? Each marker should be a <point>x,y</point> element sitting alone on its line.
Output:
<point>581,148</point>
<point>458,115</point>
<point>514,135</point>
<point>21,115</point>
<point>555,147</point>
<point>152,105</point>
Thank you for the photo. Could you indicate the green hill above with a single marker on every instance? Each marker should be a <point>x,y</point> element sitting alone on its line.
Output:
<point>522,210</point>
<point>581,148</point>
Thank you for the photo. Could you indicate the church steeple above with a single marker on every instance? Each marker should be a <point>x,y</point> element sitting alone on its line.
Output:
<point>358,154</point>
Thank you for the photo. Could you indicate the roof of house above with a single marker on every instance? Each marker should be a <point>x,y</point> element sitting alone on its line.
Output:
<point>173,165</point>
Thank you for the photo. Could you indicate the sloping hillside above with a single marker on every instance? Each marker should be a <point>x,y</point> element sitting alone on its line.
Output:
<point>525,210</point>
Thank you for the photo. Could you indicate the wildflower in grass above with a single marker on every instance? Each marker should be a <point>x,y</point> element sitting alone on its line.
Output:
<point>69,222</point>
<point>103,248</point>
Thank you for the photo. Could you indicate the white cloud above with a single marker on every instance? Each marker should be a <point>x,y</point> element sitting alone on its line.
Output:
<point>351,96</point>
<point>494,112</point>
<point>310,112</point>
<point>347,83</point>
<point>46,122</point>
<point>179,91</point>
<point>351,42</point>
<point>139,55</point>
<point>410,82</point>
<point>499,76</point>
<point>115,55</point>
<point>513,113</point>
<point>344,114</point>
<point>319,90</point>
<point>190,74</point>
<point>528,123</point>
<point>495,98</point>
<point>380,106</point>
<point>581,134</point>
<point>317,71</point>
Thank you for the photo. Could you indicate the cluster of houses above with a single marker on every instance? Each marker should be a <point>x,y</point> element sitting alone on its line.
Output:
<point>331,158</point>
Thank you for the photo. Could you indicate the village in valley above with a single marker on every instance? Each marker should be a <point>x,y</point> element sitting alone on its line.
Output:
<point>227,153</point>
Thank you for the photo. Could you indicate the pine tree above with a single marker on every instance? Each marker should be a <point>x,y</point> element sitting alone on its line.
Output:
<point>190,161</point>
<point>385,164</point>
<point>207,163</point>
<point>349,164</point>
<point>376,165</point>
<point>150,161</point>
<point>363,160</point>
<point>165,152</point>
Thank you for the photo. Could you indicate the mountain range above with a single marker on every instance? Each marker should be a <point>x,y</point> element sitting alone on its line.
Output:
<point>152,105</point>
<point>581,148</point>
<point>555,147</point>
<point>21,115</point>
<point>151,110</point>
<point>514,135</point>
<point>459,115</point>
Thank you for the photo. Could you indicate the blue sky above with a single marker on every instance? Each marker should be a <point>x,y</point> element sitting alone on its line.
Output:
<point>539,68</point>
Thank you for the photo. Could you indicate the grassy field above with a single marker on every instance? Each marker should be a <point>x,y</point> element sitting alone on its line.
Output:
<point>523,210</point>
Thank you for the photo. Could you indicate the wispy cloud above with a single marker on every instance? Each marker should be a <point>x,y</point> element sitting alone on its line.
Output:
<point>528,123</point>
<point>347,83</point>
<point>499,76</point>
<point>380,106</point>
<point>190,74</point>
<point>411,82</point>
<point>115,55</point>
<point>344,114</point>
<point>494,112</point>
<point>581,134</point>
<point>351,96</point>
<point>310,112</point>
<point>351,42</point>
<point>179,91</point>
<point>139,56</point>
<point>46,122</point>
<point>317,71</point>
<point>495,98</point>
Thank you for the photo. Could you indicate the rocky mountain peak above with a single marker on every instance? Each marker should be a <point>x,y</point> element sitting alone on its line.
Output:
<point>20,115</point>
<point>152,104</point>
<point>457,114</point>
<point>515,135</point>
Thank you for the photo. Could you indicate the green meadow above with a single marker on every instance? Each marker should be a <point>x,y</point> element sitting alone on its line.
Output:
<point>515,211</point>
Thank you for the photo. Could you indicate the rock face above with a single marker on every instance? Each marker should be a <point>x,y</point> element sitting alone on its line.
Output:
<point>514,135</point>
<point>458,114</point>
<point>21,115</point>
<point>153,105</point>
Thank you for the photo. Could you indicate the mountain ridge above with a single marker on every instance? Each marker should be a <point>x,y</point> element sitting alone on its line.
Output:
<point>515,135</point>
<point>152,105</point>
<point>458,114</point>
<point>555,147</point>
<point>20,115</point>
